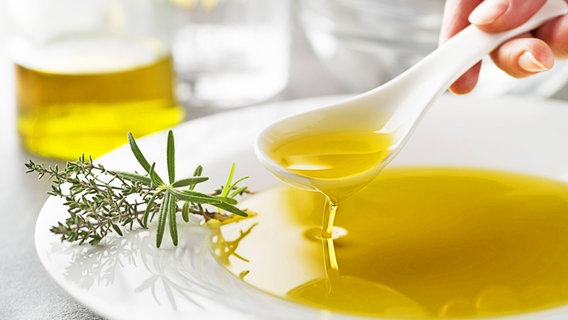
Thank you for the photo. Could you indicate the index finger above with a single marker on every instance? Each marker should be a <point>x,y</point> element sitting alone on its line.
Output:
<point>502,15</point>
<point>455,19</point>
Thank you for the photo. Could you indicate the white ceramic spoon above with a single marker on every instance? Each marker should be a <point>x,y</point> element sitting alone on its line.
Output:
<point>396,106</point>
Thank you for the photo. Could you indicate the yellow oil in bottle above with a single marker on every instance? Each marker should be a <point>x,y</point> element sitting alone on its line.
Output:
<point>416,243</point>
<point>78,99</point>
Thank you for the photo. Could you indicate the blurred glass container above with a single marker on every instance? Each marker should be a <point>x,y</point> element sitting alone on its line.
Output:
<point>89,71</point>
<point>231,53</point>
<point>365,43</point>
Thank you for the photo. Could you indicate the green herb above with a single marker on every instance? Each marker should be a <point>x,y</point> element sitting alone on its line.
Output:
<point>101,201</point>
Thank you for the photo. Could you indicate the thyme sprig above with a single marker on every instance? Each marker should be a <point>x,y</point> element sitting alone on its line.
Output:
<point>100,201</point>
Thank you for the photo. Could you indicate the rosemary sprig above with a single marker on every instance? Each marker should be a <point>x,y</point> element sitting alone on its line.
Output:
<point>101,201</point>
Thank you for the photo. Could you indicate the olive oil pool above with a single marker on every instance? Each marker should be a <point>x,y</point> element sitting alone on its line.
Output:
<point>82,96</point>
<point>423,242</point>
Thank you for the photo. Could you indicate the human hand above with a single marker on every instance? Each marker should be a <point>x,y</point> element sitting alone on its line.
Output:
<point>525,55</point>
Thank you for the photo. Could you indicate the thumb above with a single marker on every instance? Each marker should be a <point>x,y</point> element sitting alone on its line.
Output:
<point>501,15</point>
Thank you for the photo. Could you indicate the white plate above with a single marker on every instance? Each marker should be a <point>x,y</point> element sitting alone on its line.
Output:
<point>128,278</point>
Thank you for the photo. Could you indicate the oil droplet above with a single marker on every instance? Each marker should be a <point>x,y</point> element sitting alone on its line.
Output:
<point>315,233</point>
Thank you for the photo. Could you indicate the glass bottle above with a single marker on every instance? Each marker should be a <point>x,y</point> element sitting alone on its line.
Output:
<point>89,71</point>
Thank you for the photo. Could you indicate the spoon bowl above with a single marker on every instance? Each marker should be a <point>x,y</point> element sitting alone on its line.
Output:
<point>340,148</point>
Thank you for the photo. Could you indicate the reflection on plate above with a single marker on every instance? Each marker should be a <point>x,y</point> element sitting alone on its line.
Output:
<point>128,278</point>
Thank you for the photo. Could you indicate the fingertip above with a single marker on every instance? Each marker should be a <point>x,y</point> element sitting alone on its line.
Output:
<point>527,61</point>
<point>488,12</point>
<point>467,82</point>
<point>501,15</point>
<point>460,88</point>
<point>523,57</point>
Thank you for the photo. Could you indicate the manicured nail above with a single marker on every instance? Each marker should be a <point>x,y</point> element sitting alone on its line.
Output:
<point>529,63</point>
<point>488,11</point>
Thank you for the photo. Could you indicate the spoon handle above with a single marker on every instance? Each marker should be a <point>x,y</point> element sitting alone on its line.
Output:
<point>444,65</point>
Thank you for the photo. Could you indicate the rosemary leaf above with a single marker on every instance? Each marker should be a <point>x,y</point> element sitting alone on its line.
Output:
<point>232,209</point>
<point>192,182</point>
<point>163,215</point>
<point>171,208</point>
<point>185,211</point>
<point>197,197</point>
<point>170,157</point>
<point>142,160</point>
<point>228,184</point>
<point>149,207</point>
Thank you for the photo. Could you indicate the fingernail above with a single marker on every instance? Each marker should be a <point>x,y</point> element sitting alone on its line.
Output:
<point>488,11</point>
<point>529,63</point>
